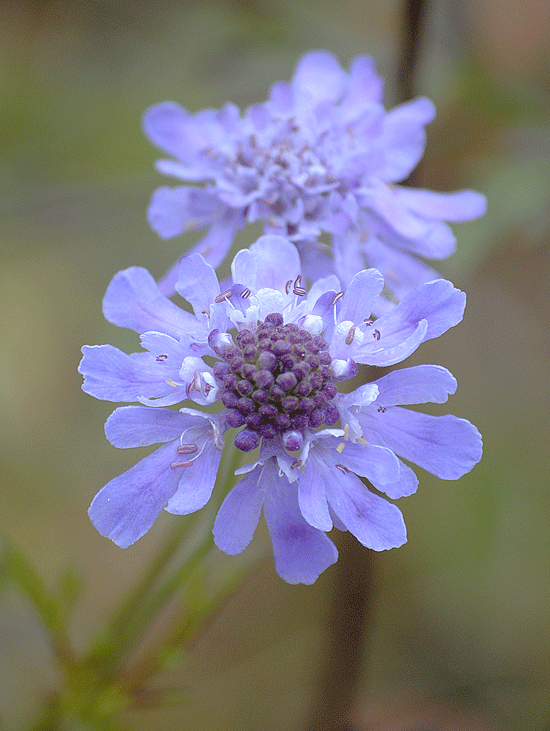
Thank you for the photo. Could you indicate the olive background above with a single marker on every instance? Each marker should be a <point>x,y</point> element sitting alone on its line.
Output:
<point>460,632</point>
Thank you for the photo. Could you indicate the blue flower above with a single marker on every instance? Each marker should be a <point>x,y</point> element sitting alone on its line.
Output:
<point>320,155</point>
<point>269,356</point>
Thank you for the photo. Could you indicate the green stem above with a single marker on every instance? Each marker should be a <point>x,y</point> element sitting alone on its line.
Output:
<point>147,600</point>
<point>182,630</point>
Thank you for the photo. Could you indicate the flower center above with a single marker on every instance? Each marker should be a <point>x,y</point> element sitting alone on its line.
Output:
<point>276,380</point>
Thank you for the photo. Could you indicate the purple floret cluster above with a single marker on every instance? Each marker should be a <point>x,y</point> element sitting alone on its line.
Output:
<point>259,362</point>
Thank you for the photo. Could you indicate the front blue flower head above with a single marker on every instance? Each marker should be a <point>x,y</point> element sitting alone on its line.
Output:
<point>320,155</point>
<point>275,356</point>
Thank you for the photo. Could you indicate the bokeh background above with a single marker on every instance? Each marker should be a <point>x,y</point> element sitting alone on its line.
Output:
<point>460,632</point>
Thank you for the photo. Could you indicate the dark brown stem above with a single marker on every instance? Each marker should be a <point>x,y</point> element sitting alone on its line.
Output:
<point>414,12</point>
<point>347,621</point>
<point>348,616</point>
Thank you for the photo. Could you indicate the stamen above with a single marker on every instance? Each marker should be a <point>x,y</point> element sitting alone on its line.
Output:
<point>297,290</point>
<point>223,296</point>
<point>161,358</point>
<point>188,449</point>
<point>342,468</point>
<point>350,335</point>
<point>340,447</point>
<point>172,383</point>
<point>336,297</point>
<point>382,409</point>
<point>205,312</point>
<point>361,440</point>
<point>245,294</point>
<point>296,463</point>
<point>346,432</point>
<point>376,335</point>
<point>288,285</point>
<point>177,465</point>
<point>368,322</point>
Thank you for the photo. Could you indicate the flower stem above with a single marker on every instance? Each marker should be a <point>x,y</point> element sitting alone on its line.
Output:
<point>414,13</point>
<point>190,537</point>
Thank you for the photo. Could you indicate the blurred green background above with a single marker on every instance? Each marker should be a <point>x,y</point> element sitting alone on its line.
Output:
<point>461,635</point>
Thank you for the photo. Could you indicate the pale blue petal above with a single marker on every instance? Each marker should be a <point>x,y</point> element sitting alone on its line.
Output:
<point>212,247</point>
<point>301,552</point>
<point>197,481</point>
<point>318,77</point>
<point>172,129</point>
<point>404,138</point>
<point>446,446</point>
<point>139,426</point>
<point>417,385</point>
<point>360,296</point>
<point>174,211</point>
<point>365,87</point>
<point>133,300</point>
<point>269,263</point>
<point>197,283</point>
<point>111,375</point>
<point>377,464</point>
<point>239,514</point>
<point>461,205</point>
<point>405,228</point>
<point>126,508</point>
<point>311,496</point>
<point>375,523</point>
<point>438,302</point>
<point>406,484</point>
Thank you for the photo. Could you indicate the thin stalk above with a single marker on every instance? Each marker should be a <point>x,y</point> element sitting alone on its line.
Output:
<point>182,630</point>
<point>143,604</point>
<point>348,616</point>
<point>410,51</point>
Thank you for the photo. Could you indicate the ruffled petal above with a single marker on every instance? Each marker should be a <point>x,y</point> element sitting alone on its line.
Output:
<point>311,497</point>
<point>438,304</point>
<point>269,263</point>
<point>365,87</point>
<point>378,464</point>
<point>197,283</point>
<point>402,271</point>
<point>405,228</point>
<point>239,514</point>
<point>301,552</point>
<point>404,138</point>
<point>360,296</point>
<point>140,426</point>
<point>172,129</point>
<point>197,481</point>
<point>174,211</point>
<point>461,205</point>
<point>446,446</point>
<point>406,484</point>
<point>417,385</point>
<point>127,506</point>
<point>375,523</point>
<point>111,375</point>
<point>133,300</point>
<point>373,348</point>
<point>318,77</point>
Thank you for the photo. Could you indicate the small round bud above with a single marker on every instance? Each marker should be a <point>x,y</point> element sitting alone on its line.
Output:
<point>247,440</point>
<point>293,440</point>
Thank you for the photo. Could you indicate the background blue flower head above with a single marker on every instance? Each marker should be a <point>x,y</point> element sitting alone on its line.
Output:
<point>320,155</point>
<point>279,352</point>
